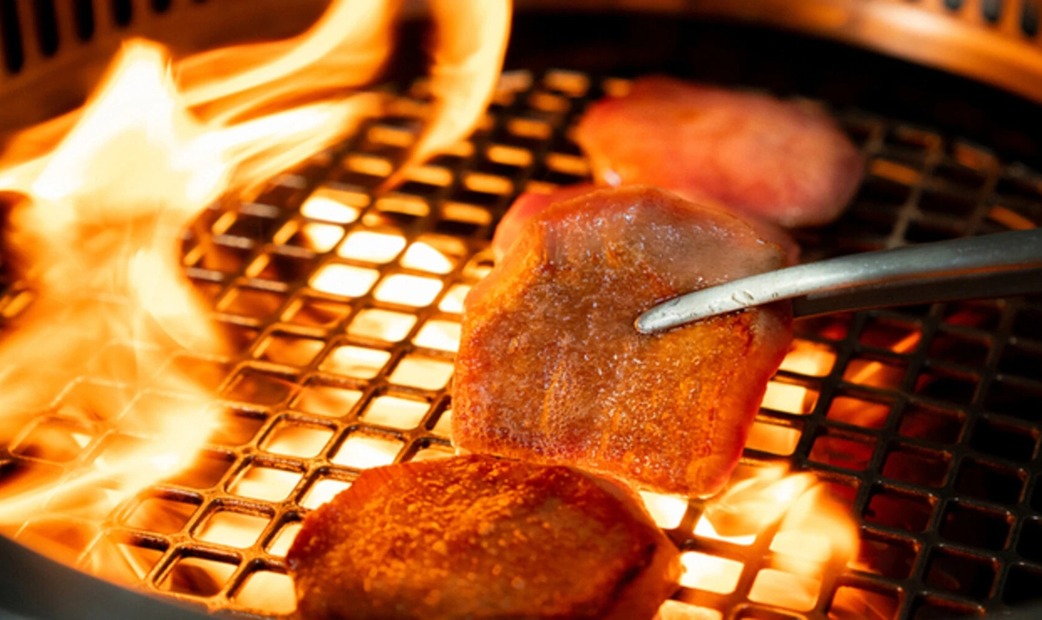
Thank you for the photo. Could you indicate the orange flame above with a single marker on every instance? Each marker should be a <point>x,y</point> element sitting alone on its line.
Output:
<point>809,535</point>
<point>102,195</point>
<point>462,80</point>
<point>97,229</point>
<point>795,532</point>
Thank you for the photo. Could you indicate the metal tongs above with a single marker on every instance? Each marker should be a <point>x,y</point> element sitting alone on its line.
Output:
<point>996,265</point>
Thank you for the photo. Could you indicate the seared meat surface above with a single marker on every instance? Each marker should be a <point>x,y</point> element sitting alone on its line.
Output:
<point>479,537</point>
<point>780,161</point>
<point>530,204</point>
<point>551,369</point>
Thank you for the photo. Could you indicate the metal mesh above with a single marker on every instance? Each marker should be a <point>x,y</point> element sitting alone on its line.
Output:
<point>344,304</point>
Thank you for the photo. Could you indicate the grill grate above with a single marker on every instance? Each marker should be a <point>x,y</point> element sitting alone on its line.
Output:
<point>922,420</point>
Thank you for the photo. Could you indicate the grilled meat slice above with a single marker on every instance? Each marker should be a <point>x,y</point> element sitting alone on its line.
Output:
<point>551,369</point>
<point>478,537</point>
<point>777,160</point>
<point>529,204</point>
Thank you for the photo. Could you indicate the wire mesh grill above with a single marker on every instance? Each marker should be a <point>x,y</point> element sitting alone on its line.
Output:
<point>343,304</point>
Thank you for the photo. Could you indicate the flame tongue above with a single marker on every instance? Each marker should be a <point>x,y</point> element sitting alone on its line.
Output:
<point>471,33</point>
<point>753,504</point>
<point>104,194</point>
<point>793,537</point>
<point>104,212</point>
<point>344,49</point>
<point>98,232</point>
<point>137,134</point>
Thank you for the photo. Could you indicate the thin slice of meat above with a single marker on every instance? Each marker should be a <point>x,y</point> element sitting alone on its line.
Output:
<point>551,369</point>
<point>478,537</point>
<point>781,161</point>
<point>530,204</point>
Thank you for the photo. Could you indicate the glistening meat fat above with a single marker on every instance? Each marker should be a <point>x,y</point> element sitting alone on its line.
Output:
<point>551,369</point>
<point>779,161</point>
<point>530,204</point>
<point>478,537</point>
<point>527,206</point>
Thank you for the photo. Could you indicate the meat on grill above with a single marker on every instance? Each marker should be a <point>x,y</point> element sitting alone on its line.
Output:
<point>777,160</point>
<point>478,537</point>
<point>551,369</point>
<point>528,204</point>
<point>525,208</point>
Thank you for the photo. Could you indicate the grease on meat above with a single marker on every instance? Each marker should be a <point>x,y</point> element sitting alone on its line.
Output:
<point>551,369</point>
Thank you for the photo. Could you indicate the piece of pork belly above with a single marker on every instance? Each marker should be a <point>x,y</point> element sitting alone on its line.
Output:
<point>551,369</point>
<point>782,161</point>
<point>479,537</point>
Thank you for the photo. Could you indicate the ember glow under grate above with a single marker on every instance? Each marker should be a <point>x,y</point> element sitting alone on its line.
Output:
<point>343,303</point>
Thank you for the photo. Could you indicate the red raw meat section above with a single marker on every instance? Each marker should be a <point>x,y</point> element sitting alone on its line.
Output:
<point>781,161</point>
<point>551,368</point>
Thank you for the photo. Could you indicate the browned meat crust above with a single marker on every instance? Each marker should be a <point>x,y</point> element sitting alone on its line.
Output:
<point>551,369</point>
<point>478,537</point>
